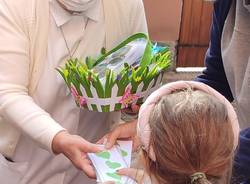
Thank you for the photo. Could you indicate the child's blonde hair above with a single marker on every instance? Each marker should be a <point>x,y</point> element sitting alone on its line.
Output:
<point>190,133</point>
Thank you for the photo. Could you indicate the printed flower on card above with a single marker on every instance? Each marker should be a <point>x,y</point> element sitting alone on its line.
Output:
<point>79,99</point>
<point>128,98</point>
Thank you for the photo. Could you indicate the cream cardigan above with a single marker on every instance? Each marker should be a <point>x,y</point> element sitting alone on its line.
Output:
<point>24,26</point>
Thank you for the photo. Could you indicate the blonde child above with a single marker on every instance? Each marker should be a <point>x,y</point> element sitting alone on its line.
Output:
<point>188,133</point>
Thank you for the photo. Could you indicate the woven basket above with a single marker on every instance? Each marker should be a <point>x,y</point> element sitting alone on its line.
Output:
<point>126,75</point>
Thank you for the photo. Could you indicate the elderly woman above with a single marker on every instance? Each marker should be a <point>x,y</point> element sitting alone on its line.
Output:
<point>39,119</point>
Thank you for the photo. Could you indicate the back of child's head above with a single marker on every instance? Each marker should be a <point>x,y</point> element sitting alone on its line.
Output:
<point>192,138</point>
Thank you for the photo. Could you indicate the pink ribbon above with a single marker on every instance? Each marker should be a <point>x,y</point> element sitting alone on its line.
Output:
<point>79,99</point>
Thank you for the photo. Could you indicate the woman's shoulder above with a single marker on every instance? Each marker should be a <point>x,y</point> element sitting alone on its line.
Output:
<point>128,11</point>
<point>127,16</point>
<point>23,8</point>
<point>132,3</point>
<point>128,5</point>
<point>23,13</point>
<point>20,5</point>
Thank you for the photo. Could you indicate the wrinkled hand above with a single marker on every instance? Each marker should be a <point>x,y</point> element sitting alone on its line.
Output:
<point>135,174</point>
<point>122,131</point>
<point>75,148</point>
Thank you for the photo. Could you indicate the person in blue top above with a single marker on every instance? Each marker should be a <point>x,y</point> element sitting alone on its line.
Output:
<point>228,70</point>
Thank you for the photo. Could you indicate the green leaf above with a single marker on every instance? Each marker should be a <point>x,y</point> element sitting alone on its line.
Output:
<point>104,154</point>
<point>113,165</point>
<point>110,82</point>
<point>114,176</point>
<point>147,57</point>
<point>98,85</point>
<point>90,62</point>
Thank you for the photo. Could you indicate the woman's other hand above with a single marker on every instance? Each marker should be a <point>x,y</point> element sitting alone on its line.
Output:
<point>125,131</point>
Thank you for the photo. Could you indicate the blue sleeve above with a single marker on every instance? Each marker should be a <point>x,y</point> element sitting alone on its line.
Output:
<point>214,74</point>
<point>242,158</point>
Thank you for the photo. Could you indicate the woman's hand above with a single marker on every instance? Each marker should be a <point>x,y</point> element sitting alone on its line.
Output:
<point>122,131</point>
<point>75,148</point>
<point>135,174</point>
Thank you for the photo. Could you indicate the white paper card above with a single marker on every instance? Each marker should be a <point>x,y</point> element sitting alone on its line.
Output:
<point>108,162</point>
<point>125,148</point>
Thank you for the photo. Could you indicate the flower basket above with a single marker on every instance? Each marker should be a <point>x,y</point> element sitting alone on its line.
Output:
<point>126,75</point>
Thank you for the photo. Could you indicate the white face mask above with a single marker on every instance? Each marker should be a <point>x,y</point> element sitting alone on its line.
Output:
<point>78,5</point>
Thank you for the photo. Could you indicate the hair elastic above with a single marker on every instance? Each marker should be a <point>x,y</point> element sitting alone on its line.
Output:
<point>196,176</point>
